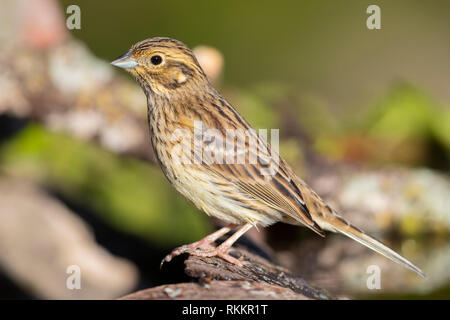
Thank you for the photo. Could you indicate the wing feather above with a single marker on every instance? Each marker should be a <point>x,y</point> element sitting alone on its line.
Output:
<point>276,190</point>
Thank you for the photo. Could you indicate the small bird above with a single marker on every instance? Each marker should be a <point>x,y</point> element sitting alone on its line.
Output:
<point>182,107</point>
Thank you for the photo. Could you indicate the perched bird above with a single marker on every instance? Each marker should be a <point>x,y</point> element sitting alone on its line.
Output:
<point>182,106</point>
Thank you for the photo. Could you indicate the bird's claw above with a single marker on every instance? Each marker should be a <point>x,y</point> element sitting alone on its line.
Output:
<point>202,252</point>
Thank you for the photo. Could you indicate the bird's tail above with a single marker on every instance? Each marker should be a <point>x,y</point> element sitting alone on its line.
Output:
<point>336,223</point>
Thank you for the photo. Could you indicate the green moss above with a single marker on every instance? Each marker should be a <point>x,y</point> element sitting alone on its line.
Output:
<point>441,127</point>
<point>404,113</point>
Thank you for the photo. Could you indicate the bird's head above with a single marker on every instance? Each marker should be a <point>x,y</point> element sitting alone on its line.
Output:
<point>163,66</point>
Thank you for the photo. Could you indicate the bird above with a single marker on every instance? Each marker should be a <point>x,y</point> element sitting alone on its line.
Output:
<point>189,121</point>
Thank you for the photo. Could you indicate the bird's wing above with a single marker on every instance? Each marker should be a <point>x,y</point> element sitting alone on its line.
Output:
<point>263,175</point>
<point>277,192</point>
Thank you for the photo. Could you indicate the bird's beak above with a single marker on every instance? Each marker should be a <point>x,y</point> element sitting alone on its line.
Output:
<point>125,61</point>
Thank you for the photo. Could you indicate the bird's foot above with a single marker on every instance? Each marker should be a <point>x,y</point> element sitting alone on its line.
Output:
<point>202,250</point>
<point>188,248</point>
<point>218,252</point>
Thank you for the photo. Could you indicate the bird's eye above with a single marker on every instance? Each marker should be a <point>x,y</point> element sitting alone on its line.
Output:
<point>156,60</point>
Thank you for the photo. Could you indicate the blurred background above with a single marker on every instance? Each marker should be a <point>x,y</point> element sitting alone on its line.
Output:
<point>364,118</point>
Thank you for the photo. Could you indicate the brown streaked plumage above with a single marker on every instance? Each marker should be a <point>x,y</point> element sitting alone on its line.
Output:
<point>180,97</point>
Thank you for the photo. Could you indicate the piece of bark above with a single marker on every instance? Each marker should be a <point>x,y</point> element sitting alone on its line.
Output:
<point>217,290</point>
<point>254,268</point>
<point>257,278</point>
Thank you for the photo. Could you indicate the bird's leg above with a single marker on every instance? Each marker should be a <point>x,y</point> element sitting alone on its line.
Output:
<point>201,244</point>
<point>222,249</point>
